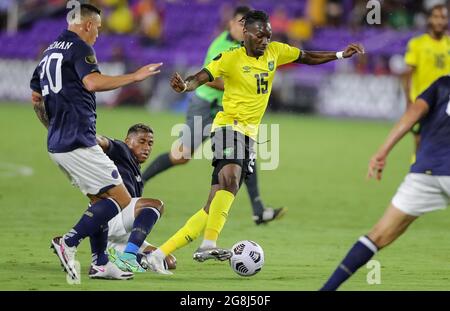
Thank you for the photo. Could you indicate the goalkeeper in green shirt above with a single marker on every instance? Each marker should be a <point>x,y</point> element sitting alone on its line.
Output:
<point>203,107</point>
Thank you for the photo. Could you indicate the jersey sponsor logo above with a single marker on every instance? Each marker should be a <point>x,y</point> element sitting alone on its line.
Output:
<point>271,65</point>
<point>115,174</point>
<point>246,69</point>
<point>218,57</point>
<point>91,59</point>
<point>138,178</point>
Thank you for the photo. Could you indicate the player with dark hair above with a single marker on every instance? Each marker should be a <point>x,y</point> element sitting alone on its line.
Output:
<point>204,104</point>
<point>248,72</point>
<point>129,229</point>
<point>63,96</point>
<point>427,58</point>
<point>425,189</point>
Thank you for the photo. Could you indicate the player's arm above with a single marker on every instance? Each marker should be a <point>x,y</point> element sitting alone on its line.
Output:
<point>317,58</point>
<point>97,82</point>
<point>217,84</point>
<point>103,142</point>
<point>406,82</point>
<point>190,83</point>
<point>412,115</point>
<point>39,107</point>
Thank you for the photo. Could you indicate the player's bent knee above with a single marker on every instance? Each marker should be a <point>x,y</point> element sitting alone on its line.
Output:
<point>120,194</point>
<point>230,183</point>
<point>149,203</point>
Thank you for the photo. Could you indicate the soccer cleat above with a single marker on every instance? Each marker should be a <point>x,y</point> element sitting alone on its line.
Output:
<point>112,254</point>
<point>269,214</point>
<point>109,272</point>
<point>203,254</point>
<point>127,262</point>
<point>156,265</point>
<point>66,256</point>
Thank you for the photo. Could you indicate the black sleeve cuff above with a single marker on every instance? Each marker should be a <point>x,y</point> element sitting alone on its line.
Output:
<point>211,78</point>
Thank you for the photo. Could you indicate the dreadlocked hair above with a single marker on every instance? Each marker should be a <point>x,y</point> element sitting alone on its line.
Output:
<point>255,16</point>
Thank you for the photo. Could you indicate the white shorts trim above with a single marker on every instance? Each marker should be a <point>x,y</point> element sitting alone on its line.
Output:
<point>421,193</point>
<point>89,169</point>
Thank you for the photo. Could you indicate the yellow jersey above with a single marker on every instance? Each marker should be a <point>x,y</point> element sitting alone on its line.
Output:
<point>247,83</point>
<point>431,59</point>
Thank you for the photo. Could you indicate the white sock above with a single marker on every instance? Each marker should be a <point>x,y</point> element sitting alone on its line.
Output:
<point>208,244</point>
<point>158,253</point>
<point>268,213</point>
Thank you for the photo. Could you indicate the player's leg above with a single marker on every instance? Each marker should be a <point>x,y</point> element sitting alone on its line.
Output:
<point>393,223</point>
<point>148,249</point>
<point>96,175</point>
<point>185,235</point>
<point>139,221</point>
<point>261,215</point>
<point>197,117</point>
<point>231,158</point>
<point>418,194</point>
<point>98,214</point>
<point>101,267</point>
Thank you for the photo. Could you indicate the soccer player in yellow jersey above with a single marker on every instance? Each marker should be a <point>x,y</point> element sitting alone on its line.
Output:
<point>247,72</point>
<point>427,57</point>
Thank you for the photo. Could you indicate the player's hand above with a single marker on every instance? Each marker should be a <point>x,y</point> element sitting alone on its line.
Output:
<point>177,83</point>
<point>147,71</point>
<point>352,49</point>
<point>376,166</point>
<point>36,97</point>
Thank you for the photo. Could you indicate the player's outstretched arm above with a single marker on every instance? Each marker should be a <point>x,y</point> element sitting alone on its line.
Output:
<point>217,84</point>
<point>406,83</point>
<point>412,115</point>
<point>191,83</point>
<point>103,142</point>
<point>97,82</point>
<point>317,58</point>
<point>39,108</point>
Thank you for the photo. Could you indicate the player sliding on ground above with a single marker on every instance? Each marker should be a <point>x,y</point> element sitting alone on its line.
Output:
<point>247,72</point>
<point>425,189</point>
<point>128,230</point>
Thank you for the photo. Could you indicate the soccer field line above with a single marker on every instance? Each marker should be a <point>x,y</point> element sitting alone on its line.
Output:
<point>8,169</point>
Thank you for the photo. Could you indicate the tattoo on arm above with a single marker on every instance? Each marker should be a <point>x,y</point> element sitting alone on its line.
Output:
<point>39,108</point>
<point>102,141</point>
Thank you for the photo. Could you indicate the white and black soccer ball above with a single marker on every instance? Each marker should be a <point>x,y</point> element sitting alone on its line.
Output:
<point>247,259</point>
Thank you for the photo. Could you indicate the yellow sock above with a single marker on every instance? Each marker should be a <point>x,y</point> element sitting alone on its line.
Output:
<point>189,232</point>
<point>218,213</point>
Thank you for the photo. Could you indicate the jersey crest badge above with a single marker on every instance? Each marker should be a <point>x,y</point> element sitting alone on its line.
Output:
<point>271,65</point>
<point>91,59</point>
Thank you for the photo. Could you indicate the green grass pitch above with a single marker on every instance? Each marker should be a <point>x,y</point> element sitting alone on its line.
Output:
<point>321,179</point>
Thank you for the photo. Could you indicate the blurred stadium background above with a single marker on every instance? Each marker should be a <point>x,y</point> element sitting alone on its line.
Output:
<point>332,117</point>
<point>178,33</point>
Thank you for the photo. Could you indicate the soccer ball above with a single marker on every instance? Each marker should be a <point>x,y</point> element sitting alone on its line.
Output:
<point>247,259</point>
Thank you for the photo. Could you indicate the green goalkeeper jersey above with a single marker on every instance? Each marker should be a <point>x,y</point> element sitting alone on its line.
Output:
<point>222,43</point>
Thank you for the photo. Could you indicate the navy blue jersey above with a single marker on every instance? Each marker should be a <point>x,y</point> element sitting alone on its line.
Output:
<point>70,107</point>
<point>433,155</point>
<point>128,165</point>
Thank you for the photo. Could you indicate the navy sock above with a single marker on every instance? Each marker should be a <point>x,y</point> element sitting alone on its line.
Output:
<point>99,241</point>
<point>160,164</point>
<point>142,226</point>
<point>359,254</point>
<point>96,215</point>
<point>252,187</point>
